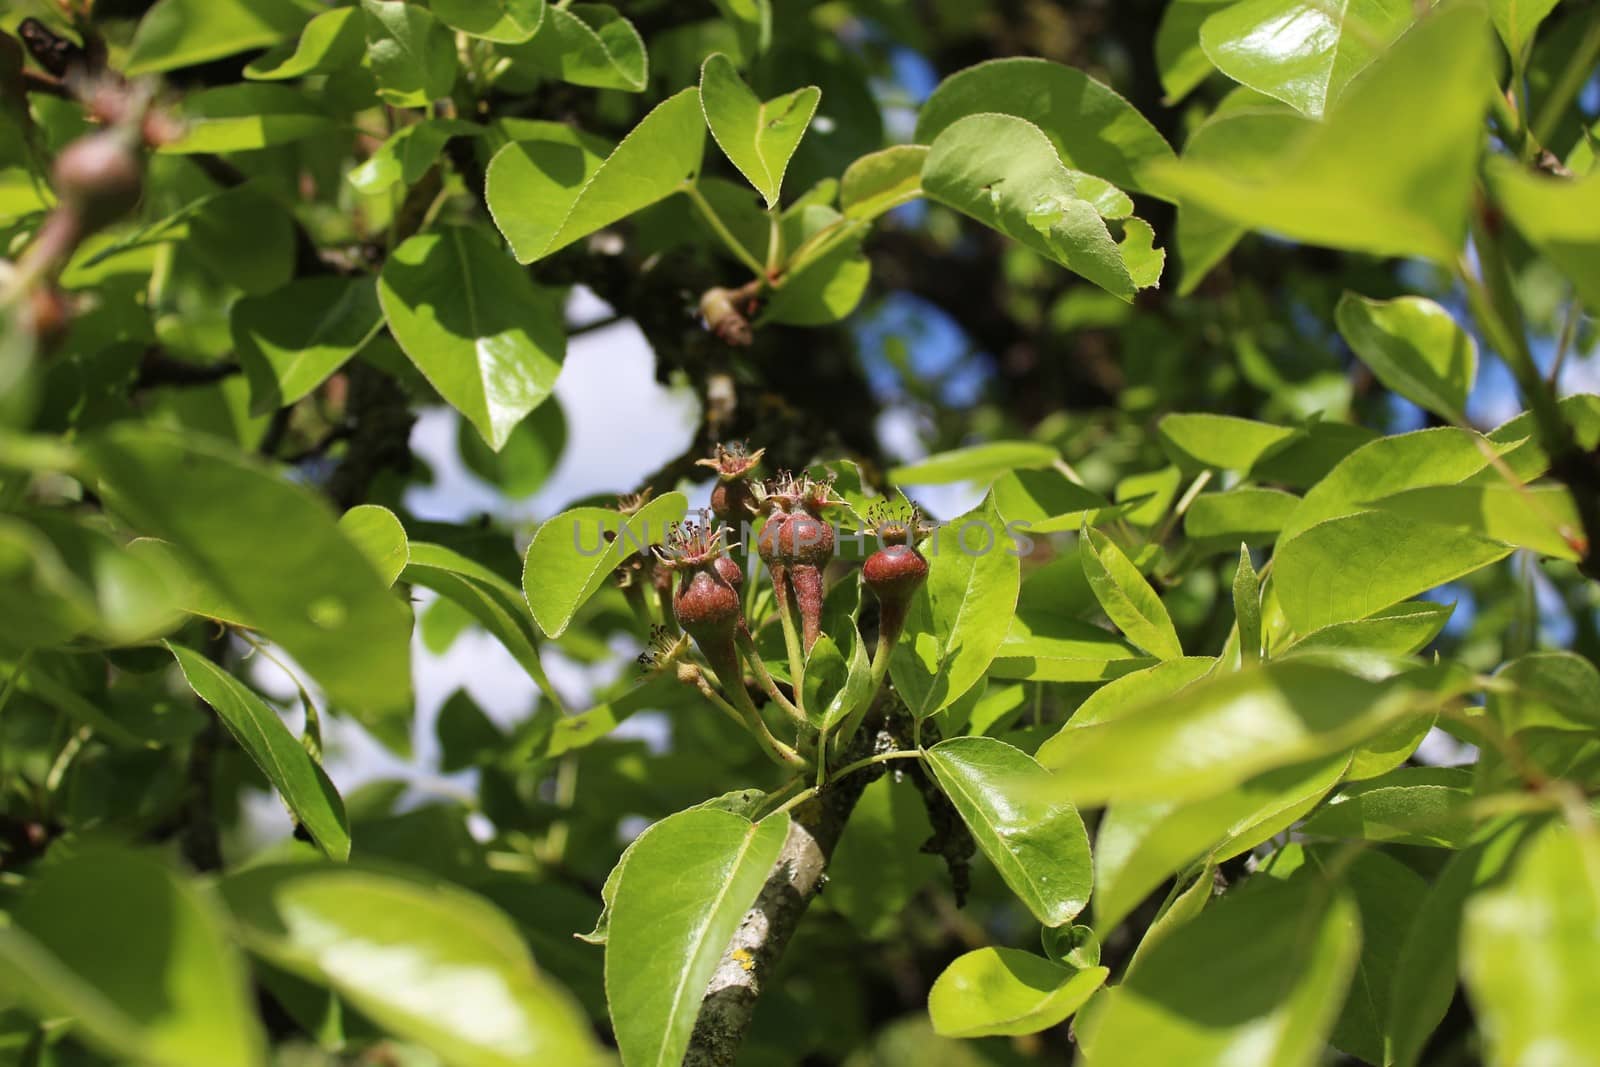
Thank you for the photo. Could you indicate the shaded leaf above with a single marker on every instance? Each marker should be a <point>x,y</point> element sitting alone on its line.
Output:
<point>292,340</point>
<point>1415,348</point>
<point>1126,597</point>
<point>1000,992</point>
<point>590,44</point>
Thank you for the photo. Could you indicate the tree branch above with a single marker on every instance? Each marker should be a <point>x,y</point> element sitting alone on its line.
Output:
<point>798,876</point>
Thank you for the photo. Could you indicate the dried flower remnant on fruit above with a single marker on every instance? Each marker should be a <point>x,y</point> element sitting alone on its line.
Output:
<point>797,543</point>
<point>663,650</point>
<point>732,498</point>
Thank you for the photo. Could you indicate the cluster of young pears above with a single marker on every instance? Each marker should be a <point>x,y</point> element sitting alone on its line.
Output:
<point>701,568</point>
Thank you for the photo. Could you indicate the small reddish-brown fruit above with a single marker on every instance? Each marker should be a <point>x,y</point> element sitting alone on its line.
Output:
<point>732,500</point>
<point>706,605</point>
<point>897,570</point>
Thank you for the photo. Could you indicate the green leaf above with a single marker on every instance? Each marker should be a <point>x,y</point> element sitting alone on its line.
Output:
<point>1389,172</point>
<point>1250,141</point>
<point>572,732</point>
<point>590,44</point>
<point>570,556</point>
<point>1517,21</point>
<point>183,33</point>
<point>1549,690</point>
<point>758,137</point>
<point>1528,951</point>
<point>1231,727</point>
<point>1131,692</point>
<point>292,340</point>
<point>412,54</point>
<point>1543,518</point>
<point>975,463</point>
<point>407,155</point>
<point>1043,646</point>
<point>1415,348</point>
<point>425,961</point>
<point>332,41</point>
<point>825,290</point>
<point>1047,501</point>
<point>1220,442</point>
<point>1257,977</point>
<point>1074,946</point>
<point>547,193</point>
<point>486,596</point>
<point>1000,992</point>
<point>1399,630</point>
<point>1179,58</point>
<point>1408,806</point>
<point>882,181</point>
<point>958,618</point>
<point>503,21</point>
<point>685,888</point>
<point>247,532</point>
<point>1247,514</point>
<point>242,118</point>
<point>1089,125</point>
<point>1128,600</point>
<point>298,778</point>
<point>527,459</point>
<point>1247,607</point>
<point>1139,845</point>
<point>378,533</point>
<point>482,333</point>
<point>1302,54</point>
<point>1003,171</point>
<point>1387,466</point>
<point>849,679</point>
<point>1560,217</point>
<point>1038,845</point>
<point>1351,567</point>
<point>145,973</point>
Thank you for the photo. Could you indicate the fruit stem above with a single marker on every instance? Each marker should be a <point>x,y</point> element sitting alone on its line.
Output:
<point>791,637</point>
<point>764,679</point>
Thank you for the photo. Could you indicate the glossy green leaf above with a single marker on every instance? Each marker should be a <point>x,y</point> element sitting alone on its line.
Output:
<point>412,54</point>
<point>570,556</point>
<point>244,530</point>
<point>1038,845</point>
<point>527,459</point>
<point>329,42</point>
<point>1139,845</point>
<point>183,33</point>
<point>1389,172</point>
<point>546,193</point>
<point>503,21</point>
<point>1250,141</point>
<point>486,596</point>
<point>1415,348</point>
<point>292,340</point>
<point>1004,172</point>
<point>849,675</point>
<point>1390,465</point>
<point>145,973</point>
<point>999,992</point>
<point>1350,567</point>
<point>1558,217</point>
<point>1220,442</point>
<point>975,463</point>
<point>1517,21</point>
<point>958,619</point>
<point>882,181</point>
<point>1229,728</point>
<point>485,336</point>
<point>377,532</point>
<point>1179,58</point>
<point>1047,501</point>
<point>1131,692</point>
<point>758,137</point>
<point>686,886</point>
<point>1247,514</point>
<point>1408,805</point>
<point>590,44</point>
<point>1528,951</point>
<point>425,961</point>
<point>1043,646</point>
<point>1400,630</point>
<point>298,778</point>
<point>1551,690</point>
<point>407,155</point>
<point>242,118</point>
<point>1302,54</point>
<point>1074,946</point>
<point>1089,125</point>
<point>1256,978</point>
<point>1543,518</point>
<point>1127,599</point>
